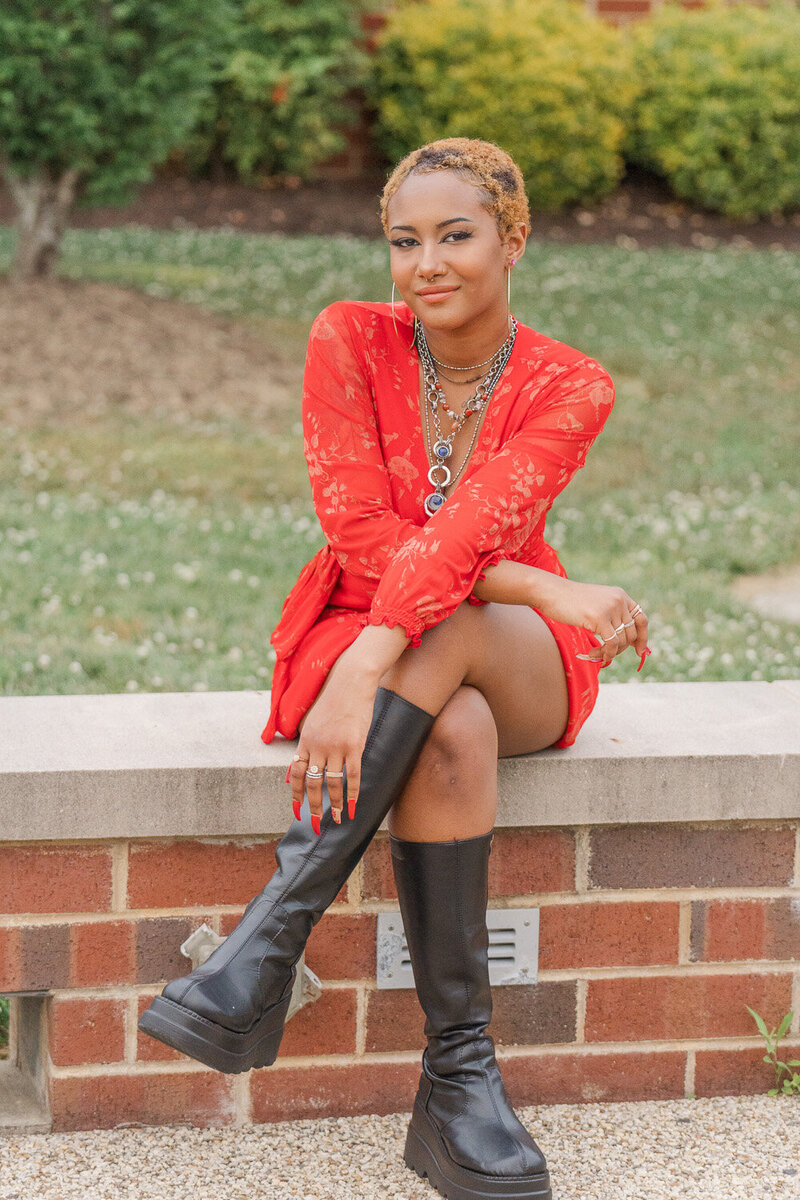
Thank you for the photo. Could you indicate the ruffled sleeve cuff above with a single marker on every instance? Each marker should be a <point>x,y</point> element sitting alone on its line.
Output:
<point>414,626</point>
<point>491,559</point>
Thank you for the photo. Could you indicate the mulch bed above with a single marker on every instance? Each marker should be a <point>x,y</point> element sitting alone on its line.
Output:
<point>642,212</point>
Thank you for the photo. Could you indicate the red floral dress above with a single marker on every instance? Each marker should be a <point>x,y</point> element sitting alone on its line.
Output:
<point>386,562</point>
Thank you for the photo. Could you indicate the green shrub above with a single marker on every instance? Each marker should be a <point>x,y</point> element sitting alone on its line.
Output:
<point>282,98</point>
<point>544,79</point>
<point>718,113</point>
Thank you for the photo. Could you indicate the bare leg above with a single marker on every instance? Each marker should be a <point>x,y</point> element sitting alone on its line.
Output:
<point>495,675</point>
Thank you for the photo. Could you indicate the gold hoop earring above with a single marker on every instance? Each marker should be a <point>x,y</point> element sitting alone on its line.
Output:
<point>394,322</point>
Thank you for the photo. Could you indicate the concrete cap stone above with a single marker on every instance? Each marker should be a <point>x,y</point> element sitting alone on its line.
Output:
<point>186,764</point>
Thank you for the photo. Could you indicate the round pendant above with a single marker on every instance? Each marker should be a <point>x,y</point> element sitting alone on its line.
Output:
<point>439,483</point>
<point>442,450</point>
<point>433,503</point>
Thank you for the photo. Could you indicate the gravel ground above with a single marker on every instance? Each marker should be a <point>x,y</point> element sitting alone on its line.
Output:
<point>722,1148</point>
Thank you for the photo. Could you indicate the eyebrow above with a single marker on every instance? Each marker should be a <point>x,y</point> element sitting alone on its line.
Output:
<point>441,225</point>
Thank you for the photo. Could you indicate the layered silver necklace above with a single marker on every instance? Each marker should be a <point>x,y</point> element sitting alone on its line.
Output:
<point>440,475</point>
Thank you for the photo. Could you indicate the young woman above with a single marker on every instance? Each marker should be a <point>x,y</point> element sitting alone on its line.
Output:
<point>435,631</point>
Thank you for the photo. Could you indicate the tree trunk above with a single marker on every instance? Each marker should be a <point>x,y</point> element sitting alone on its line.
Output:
<point>43,205</point>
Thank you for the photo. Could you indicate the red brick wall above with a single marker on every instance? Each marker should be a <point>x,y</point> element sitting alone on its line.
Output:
<point>652,940</point>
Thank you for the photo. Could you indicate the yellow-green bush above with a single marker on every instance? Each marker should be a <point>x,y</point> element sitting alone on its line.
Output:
<point>718,114</point>
<point>544,79</point>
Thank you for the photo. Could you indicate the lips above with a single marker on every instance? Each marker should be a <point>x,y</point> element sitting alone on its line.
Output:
<point>436,291</point>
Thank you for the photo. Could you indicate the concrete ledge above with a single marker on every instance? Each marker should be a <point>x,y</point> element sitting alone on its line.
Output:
<point>192,764</point>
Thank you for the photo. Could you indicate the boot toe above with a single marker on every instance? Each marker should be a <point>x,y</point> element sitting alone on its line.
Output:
<point>497,1152</point>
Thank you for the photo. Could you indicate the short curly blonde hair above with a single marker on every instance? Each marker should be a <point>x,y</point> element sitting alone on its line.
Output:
<point>482,163</point>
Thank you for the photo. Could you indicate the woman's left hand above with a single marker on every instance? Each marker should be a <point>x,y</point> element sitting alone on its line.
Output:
<point>331,743</point>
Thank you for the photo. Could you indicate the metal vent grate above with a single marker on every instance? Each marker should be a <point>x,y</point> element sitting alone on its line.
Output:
<point>513,948</point>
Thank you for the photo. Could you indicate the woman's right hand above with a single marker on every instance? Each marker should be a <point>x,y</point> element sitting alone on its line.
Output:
<point>602,610</point>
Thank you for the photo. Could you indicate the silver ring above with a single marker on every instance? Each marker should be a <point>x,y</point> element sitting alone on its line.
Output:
<point>314,774</point>
<point>627,625</point>
<point>334,774</point>
<point>314,769</point>
<point>619,628</point>
<point>634,611</point>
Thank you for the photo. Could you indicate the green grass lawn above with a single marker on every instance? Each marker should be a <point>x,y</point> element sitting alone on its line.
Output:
<point>138,556</point>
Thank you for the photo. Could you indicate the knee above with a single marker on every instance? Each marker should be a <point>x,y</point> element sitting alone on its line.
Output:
<point>463,739</point>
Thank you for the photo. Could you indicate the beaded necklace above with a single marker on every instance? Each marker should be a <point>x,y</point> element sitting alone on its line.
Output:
<point>434,399</point>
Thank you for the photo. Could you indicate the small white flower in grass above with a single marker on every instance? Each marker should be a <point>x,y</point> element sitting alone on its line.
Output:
<point>156,681</point>
<point>198,643</point>
<point>42,499</point>
<point>190,612</point>
<point>131,686</point>
<point>171,647</point>
<point>43,660</point>
<point>98,611</point>
<point>235,575</point>
<point>27,667</point>
<point>263,672</point>
<point>228,526</point>
<point>114,522</point>
<point>235,654</point>
<point>199,685</point>
<point>24,556</point>
<point>75,667</point>
<point>271,656</point>
<point>123,579</point>
<point>253,581</point>
<point>148,577</point>
<point>185,572</point>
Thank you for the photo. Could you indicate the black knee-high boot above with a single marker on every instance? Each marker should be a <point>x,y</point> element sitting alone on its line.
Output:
<point>229,1012</point>
<point>464,1134</point>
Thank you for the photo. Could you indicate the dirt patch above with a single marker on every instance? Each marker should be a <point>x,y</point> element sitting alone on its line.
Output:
<point>774,594</point>
<point>75,351</point>
<point>641,212</point>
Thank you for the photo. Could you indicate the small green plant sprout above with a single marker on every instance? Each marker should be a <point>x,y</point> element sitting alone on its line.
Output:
<point>791,1085</point>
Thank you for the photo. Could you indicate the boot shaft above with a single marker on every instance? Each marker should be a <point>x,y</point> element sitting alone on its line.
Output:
<point>443,888</point>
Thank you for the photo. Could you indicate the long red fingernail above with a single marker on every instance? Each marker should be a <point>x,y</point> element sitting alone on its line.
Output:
<point>645,653</point>
<point>351,806</point>
<point>315,823</point>
<point>288,773</point>
<point>297,805</point>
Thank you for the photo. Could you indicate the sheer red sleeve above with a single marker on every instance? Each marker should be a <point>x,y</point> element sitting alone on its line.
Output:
<point>491,514</point>
<point>349,480</point>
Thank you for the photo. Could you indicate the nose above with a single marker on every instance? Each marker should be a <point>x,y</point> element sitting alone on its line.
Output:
<point>429,262</point>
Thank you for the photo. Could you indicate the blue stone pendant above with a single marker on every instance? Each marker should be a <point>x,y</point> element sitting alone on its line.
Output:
<point>433,503</point>
<point>442,450</point>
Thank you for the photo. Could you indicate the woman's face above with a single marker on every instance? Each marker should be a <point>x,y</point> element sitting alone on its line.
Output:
<point>447,258</point>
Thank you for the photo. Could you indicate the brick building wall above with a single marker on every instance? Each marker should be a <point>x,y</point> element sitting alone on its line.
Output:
<point>653,937</point>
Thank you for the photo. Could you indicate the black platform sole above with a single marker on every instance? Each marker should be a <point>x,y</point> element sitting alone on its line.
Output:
<point>212,1044</point>
<point>426,1154</point>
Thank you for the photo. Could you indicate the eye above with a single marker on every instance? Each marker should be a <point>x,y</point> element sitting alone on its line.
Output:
<point>460,235</point>
<point>403,243</point>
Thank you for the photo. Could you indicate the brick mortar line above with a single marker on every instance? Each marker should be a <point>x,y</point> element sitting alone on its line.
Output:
<point>372,907</point>
<point>797,857</point>
<point>550,975</point>
<point>795,1025</point>
<point>377,1058</point>
<point>124,991</point>
<point>245,840</point>
<point>242,1099</point>
<point>689,1073</point>
<point>119,876</point>
<point>361,1020</point>
<point>583,851</point>
<point>580,1011</point>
